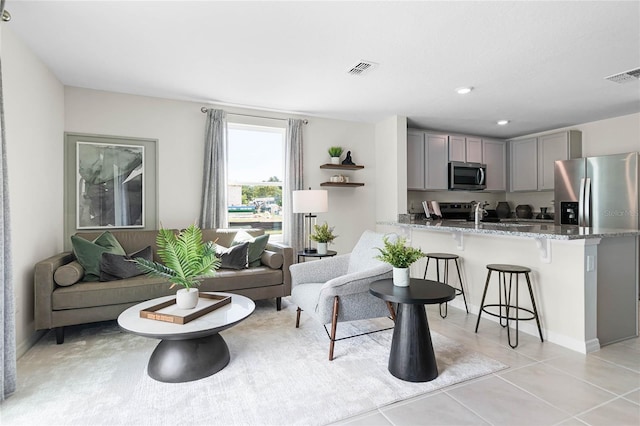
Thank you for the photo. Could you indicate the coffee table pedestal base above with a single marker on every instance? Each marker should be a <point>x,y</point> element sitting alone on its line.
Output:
<point>177,361</point>
<point>412,357</point>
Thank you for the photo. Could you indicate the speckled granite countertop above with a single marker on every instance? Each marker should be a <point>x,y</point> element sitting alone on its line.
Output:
<point>539,229</point>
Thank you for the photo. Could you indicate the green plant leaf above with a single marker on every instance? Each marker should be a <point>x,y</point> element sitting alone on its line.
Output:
<point>398,254</point>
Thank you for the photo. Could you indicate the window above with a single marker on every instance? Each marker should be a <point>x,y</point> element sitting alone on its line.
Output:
<point>255,177</point>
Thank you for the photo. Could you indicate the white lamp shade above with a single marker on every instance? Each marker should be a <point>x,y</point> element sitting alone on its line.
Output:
<point>310,201</point>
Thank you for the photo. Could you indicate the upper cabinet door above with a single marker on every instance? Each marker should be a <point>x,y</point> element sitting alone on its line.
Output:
<point>554,147</point>
<point>523,162</point>
<point>415,160</point>
<point>494,156</point>
<point>457,149</point>
<point>436,153</point>
<point>474,150</point>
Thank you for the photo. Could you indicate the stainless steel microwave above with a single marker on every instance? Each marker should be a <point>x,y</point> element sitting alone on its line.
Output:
<point>467,176</point>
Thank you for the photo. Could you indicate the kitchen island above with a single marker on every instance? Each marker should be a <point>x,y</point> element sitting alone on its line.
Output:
<point>585,280</point>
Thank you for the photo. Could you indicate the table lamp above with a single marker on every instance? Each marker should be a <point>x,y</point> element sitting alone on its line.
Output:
<point>309,202</point>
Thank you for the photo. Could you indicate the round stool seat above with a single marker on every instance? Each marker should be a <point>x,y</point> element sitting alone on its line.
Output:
<point>515,269</point>
<point>442,255</point>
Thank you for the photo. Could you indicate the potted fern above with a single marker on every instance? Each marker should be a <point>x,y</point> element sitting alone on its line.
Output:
<point>400,256</point>
<point>335,152</point>
<point>323,235</point>
<point>186,260</point>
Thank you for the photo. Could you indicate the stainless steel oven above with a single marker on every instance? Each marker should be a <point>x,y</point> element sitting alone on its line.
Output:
<point>467,176</point>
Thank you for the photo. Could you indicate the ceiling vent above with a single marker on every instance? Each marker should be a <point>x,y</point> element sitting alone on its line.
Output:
<point>361,67</point>
<point>625,77</point>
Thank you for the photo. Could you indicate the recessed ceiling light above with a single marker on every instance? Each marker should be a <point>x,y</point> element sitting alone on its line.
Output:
<point>503,122</point>
<point>464,90</point>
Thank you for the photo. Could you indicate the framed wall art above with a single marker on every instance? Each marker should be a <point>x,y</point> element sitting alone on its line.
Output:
<point>110,183</point>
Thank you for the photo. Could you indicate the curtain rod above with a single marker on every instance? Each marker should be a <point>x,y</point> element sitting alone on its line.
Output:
<point>205,110</point>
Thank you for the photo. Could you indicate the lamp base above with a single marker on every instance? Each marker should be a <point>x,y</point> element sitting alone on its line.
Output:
<point>310,251</point>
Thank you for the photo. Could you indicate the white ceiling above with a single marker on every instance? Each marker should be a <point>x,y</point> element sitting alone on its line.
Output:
<point>539,64</point>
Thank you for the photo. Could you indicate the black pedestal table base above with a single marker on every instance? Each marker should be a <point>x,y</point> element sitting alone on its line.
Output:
<point>176,361</point>
<point>412,357</point>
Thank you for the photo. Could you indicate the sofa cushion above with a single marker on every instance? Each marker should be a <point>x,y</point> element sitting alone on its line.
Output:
<point>221,236</point>
<point>234,257</point>
<point>256,247</point>
<point>116,267</point>
<point>272,259</point>
<point>68,274</point>
<point>89,253</point>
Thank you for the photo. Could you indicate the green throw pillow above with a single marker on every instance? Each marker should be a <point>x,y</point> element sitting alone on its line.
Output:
<point>256,247</point>
<point>89,253</point>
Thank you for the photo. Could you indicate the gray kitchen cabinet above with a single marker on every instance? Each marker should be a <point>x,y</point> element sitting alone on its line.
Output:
<point>465,149</point>
<point>494,156</point>
<point>554,147</point>
<point>523,165</point>
<point>427,161</point>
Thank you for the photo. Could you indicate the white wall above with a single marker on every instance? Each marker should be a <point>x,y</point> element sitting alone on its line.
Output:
<point>34,116</point>
<point>391,158</point>
<point>179,128</point>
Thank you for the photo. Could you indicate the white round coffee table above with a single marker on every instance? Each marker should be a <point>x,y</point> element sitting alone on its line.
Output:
<point>188,351</point>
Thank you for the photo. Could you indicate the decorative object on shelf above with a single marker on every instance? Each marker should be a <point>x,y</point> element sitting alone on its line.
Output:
<point>400,256</point>
<point>347,160</point>
<point>523,211</point>
<point>186,260</point>
<point>503,209</point>
<point>323,235</point>
<point>339,179</point>
<point>335,152</point>
<point>309,202</point>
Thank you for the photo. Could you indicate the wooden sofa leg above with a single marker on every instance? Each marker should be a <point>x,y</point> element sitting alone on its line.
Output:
<point>334,325</point>
<point>59,335</point>
<point>298,317</point>
<point>278,303</point>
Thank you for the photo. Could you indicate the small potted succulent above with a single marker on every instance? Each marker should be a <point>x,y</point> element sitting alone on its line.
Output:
<point>400,256</point>
<point>335,152</point>
<point>323,235</point>
<point>186,260</point>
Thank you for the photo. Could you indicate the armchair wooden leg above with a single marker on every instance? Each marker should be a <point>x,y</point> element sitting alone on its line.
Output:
<point>334,325</point>
<point>391,311</point>
<point>298,317</point>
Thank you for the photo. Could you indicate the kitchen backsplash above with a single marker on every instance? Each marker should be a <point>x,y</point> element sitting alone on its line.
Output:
<point>535,199</point>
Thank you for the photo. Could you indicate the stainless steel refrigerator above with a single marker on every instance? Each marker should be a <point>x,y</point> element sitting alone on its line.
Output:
<point>599,193</point>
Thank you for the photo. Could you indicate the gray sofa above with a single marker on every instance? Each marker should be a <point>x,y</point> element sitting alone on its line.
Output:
<point>84,302</point>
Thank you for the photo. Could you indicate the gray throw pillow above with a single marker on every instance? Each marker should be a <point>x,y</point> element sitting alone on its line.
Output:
<point>234,257</point>
<point>68,274</point>
<point>116,267</point>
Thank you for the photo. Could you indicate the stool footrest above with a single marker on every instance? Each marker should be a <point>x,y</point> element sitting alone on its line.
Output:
<point>533,316</point>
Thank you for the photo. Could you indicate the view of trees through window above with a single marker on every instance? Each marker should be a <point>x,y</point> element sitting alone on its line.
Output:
<point>255,174</point>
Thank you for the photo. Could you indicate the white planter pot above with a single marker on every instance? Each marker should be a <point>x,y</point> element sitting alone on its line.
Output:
<point>401,277</point>
<point>335,160</point>
<point>322,248</point>
<point>187,298</point>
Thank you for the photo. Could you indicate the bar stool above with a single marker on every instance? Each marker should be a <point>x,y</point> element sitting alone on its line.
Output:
<point>446,257</point>
<point>504,290</point>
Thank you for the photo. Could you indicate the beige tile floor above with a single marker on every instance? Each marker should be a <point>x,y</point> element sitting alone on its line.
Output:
<point>545,384</point>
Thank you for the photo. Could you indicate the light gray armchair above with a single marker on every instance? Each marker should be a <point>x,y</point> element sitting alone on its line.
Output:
<point>336,289</point>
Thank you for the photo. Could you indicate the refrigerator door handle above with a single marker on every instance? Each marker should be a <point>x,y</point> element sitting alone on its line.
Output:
<point>587,202</point>
<point>581,203</point>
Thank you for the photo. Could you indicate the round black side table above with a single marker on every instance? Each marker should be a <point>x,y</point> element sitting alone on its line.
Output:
<point>412,357</point>
<point>303,254</point>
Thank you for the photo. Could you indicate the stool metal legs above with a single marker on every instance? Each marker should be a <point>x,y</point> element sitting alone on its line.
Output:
<point>505,307</point>
<point>460,291</point>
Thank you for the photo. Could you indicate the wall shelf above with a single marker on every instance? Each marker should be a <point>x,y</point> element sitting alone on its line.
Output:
<point>351,184</point>
<point>341,166</point>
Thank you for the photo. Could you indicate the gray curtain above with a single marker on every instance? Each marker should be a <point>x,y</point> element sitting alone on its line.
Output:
<point>7,314</point>
<point>214,183</point>
<point>293,224</point>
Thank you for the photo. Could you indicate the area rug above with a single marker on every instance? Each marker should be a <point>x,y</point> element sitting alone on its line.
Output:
<point>278,375</point>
